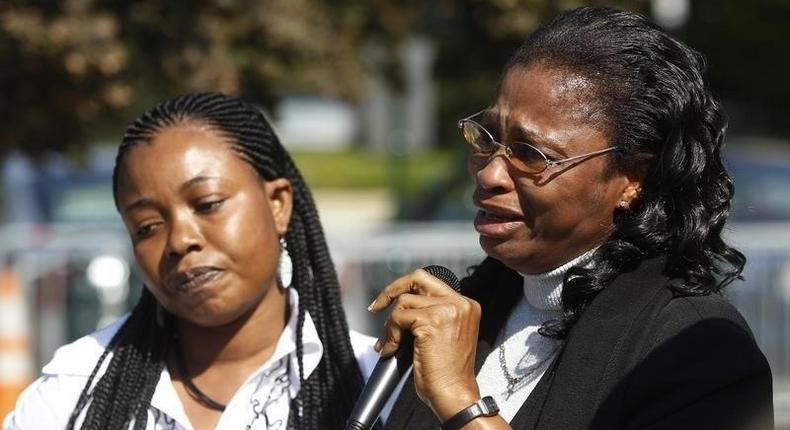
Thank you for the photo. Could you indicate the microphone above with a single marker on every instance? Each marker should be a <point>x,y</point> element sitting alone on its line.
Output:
<point>389,371</point>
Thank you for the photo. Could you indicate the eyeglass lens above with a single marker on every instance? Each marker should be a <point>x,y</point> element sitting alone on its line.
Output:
<point>523,156</point>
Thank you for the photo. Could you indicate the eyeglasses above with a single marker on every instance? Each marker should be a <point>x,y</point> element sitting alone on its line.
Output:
<point>521,155</point>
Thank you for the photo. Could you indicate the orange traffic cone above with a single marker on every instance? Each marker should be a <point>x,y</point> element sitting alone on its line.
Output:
<point>16,359</point>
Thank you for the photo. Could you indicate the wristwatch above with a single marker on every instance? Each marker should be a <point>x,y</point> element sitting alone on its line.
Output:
<point>485,407</point>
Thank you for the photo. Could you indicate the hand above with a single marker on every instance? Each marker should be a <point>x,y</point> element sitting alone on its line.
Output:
<point>445,326</point>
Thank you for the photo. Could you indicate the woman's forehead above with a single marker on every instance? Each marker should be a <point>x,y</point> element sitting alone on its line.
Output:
<point>172,146</point>
<point>552,86</point>
<point>542,94</point>
<point>176,155</point>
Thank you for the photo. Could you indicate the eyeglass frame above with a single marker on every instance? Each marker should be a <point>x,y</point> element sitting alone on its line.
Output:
<point>509,151</point>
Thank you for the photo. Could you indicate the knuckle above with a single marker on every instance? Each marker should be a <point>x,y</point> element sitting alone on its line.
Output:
<point>470,307</point>
<point>447,312</point>
<point>436,320</point>
<point>422,331</point>
<point>398,304</point>
<point>477,310</point>
<point>391,335</point>
<point>442,315</point>
<point>391,339</point>
<point>465,307</point>
<point>420,277</point>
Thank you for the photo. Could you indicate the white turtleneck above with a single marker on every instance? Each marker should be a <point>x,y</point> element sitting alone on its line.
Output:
<point>527,354</point>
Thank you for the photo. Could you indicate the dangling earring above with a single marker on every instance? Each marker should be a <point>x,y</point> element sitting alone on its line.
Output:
<point>285,268</point>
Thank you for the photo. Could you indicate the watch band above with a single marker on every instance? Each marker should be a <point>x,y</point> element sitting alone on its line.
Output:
<point>485,407</point>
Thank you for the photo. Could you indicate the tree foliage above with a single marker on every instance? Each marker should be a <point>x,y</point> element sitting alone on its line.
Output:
<point>61,68</point>
<point>70,69</point>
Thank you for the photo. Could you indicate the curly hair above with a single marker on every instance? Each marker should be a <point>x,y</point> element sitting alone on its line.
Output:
<point>654,103</point>
<point>123,394</point>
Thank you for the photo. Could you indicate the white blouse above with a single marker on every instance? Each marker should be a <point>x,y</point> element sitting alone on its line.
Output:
<point>261,403</point>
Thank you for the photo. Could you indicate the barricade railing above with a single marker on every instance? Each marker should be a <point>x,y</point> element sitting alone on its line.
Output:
<point>64,302</point>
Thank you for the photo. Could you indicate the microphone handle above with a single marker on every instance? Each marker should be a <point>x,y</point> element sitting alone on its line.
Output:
<point>385,377</point>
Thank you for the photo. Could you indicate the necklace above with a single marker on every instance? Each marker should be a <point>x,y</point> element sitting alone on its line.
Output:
<point>514,382</point>
<point>190,386</point>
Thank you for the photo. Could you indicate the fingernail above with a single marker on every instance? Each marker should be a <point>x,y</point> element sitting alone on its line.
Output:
<point>377,346</point>
<point>373,303</point>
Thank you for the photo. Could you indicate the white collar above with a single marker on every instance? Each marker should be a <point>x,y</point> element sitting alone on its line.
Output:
<point>73,363</point>
<point>544,290</point>
<point>79,357</point>
<point>166,400</point>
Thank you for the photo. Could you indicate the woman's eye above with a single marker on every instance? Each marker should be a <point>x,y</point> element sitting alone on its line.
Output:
<point>550,156</point>
<point>208,206</point>
<point>146,230</point>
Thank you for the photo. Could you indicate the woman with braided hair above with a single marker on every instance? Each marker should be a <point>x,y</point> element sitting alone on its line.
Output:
<point>240,324</point>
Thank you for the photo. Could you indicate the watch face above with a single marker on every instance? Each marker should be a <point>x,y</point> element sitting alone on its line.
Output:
<point>489,406</point>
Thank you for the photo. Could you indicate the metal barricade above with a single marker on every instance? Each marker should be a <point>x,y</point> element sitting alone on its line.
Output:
<point>79,277</point>
<point>368,261</point>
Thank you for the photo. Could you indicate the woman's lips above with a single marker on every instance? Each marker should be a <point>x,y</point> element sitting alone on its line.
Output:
<point>495,225</point>
<point>196,278</point>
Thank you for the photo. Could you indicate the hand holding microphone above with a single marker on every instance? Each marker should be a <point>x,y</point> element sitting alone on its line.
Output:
<point>444,325</point>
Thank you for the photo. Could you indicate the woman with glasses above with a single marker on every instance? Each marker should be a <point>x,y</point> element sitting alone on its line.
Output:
<point>602,198</point>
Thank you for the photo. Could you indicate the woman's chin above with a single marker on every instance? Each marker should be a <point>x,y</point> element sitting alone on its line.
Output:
<point>209,316</point>
<point>515,254</point>
<point>504,249</point>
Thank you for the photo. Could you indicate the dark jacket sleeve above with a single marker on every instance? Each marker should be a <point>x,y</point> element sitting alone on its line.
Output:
<point>701,369</point>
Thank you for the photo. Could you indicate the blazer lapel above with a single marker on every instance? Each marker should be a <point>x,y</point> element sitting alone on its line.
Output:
<point>497,299</point>
<point>583,372</point>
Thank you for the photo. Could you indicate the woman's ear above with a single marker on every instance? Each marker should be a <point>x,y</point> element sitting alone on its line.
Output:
<point>632,190</point>
<point>280,195</point>
<point>630,195</point>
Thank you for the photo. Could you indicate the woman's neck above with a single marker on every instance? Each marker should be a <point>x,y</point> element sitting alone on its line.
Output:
<point>252,337</point>
<point>544,290</point>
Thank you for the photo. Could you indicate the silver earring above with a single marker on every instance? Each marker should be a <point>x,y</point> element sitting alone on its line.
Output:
<point>285,268</point>
<point>623,204</point>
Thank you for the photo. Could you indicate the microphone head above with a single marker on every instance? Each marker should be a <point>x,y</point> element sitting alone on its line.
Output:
<point>445,275</point>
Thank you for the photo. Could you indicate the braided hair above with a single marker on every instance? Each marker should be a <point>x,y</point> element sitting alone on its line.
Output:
<point>653,102</point>
<point>123,394</point>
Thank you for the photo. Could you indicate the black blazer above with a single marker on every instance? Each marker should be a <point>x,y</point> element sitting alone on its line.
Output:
<point>639,357</point>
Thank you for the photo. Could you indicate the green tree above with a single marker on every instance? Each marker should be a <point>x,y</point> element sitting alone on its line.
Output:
<point>70,67</point>
<point>61,68</point>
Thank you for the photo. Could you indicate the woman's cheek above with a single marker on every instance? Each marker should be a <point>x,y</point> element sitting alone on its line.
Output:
<point>148,266</point>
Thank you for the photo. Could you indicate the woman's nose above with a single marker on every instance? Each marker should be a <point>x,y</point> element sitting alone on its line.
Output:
<point>494,174</point>
<point>184,236</point>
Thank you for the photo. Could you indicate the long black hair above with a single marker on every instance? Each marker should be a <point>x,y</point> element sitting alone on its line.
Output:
<point>653,102</point>
<point>123,393</point>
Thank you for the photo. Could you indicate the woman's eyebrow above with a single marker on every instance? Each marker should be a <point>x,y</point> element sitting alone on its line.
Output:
<point>140,203</point>
<point>533,137</point>
<point>145,202</point>
<point>196,180</point>
<point>518,132</point>
<point>521,132</point>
